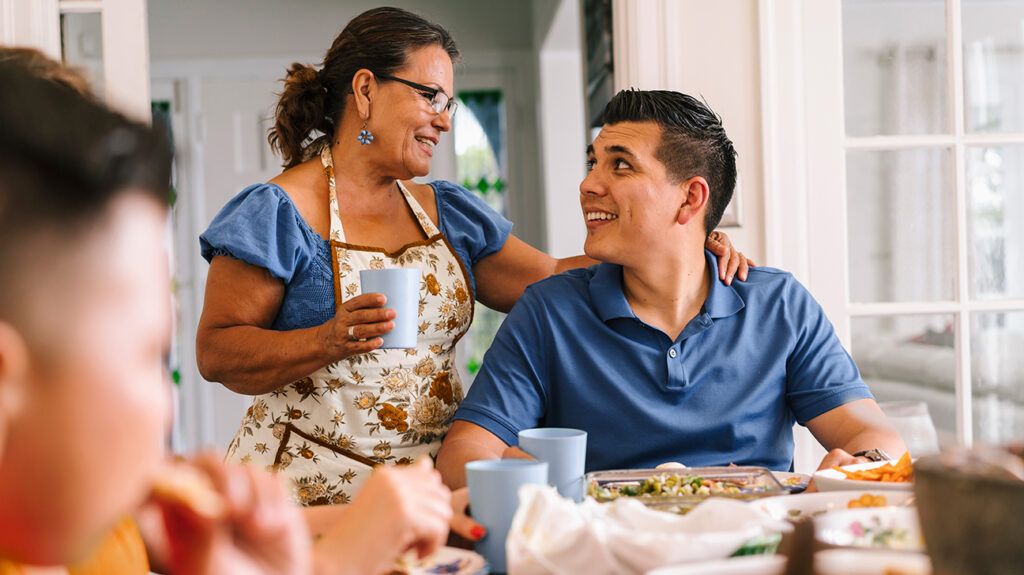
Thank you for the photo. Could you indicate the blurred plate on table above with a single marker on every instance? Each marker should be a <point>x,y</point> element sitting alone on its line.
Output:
<point>792,482</point>
<point>880,528</point>
<point>832,480</point>
<point>446,560</point>
<point>864,562</point>
<point>804,505</point>
<point>757,565</point>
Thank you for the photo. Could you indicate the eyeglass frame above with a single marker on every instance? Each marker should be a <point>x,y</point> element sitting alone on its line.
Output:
<point>451,106</point>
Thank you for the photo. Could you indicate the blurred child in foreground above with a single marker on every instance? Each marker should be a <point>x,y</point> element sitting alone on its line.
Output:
<point>85,322</point>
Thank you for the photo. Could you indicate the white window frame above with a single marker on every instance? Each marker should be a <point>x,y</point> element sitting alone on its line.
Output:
<point>825,160</point>
<point>36,23</point>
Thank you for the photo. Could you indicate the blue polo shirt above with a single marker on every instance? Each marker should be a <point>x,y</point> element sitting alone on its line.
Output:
<point>760,355</point>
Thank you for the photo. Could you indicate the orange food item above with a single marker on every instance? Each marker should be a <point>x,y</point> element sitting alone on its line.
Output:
<point>868,500</point>
<point>900,472</point>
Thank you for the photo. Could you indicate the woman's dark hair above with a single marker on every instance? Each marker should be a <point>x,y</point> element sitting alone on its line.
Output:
<point>693,141</point>
<point>379,40</point>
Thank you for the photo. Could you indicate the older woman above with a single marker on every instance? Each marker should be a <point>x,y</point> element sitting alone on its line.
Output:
<point>284,319</point>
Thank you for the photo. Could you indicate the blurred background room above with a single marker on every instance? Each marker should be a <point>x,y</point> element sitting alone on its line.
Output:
<point>881,155</point>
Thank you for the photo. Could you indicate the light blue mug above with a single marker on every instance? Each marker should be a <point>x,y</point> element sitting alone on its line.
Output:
<point>494,497</point>
<point>565,451</point>
<point>402,288</point>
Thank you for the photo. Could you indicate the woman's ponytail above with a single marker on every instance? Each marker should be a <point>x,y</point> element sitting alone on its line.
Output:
<point>300,115</point>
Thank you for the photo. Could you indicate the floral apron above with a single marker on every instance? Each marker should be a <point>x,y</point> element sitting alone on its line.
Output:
<point>328,430</point>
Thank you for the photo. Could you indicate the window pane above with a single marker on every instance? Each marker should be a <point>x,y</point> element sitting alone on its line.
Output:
<point>480,144</point>
<point>995,184</point>
<point>81,36</point>
<point>911,359</point>
<point>894,67</point>
<point>900,207</point>
<point>993,65</point>
<point>997,376</point>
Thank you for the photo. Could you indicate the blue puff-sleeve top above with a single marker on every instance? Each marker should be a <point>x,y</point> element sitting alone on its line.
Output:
<point>262,227</point>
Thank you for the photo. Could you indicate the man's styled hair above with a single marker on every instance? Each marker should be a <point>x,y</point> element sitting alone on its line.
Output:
<point>64,159</point>
<point>693,141</point>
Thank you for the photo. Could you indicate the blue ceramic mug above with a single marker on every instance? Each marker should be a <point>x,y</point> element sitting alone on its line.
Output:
<point>402,288</point>
<point>494,497</point>
<point>565,451</point>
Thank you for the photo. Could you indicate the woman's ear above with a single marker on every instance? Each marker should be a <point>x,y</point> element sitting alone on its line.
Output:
<point>696,194</point>
<point>14,361</point>
<point>364,84</point>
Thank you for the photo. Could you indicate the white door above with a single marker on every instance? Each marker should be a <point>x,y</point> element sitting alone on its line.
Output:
<point>236,114</point>
<point>915,155</point>
<point>223,149</point>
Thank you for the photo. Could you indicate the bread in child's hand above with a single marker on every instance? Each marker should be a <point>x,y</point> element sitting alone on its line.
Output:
<point>188,486</point>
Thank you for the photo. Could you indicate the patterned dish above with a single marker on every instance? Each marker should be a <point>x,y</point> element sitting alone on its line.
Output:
<point>894,528</point>
<point>445,561</point>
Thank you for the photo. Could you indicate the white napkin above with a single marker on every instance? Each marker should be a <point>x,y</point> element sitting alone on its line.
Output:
<point>551,535</point>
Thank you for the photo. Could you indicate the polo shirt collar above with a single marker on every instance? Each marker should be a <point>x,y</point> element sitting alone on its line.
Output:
<point>723,300</point>
<point>607,294</point>
<point>610,300</point>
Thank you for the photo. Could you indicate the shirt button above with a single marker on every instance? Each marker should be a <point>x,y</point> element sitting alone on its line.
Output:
<point>672,353</point>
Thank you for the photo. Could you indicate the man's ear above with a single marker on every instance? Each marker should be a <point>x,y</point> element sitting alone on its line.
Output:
<point>364,83</point>
<point>14,363</point>
<point>696,194</point>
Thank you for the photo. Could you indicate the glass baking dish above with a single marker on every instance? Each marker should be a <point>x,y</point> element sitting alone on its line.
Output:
<point>658,489</point>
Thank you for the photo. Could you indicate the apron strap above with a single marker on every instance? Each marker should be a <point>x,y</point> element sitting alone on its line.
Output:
<point>327,161</point>
<point>425,222</point>
<point>338,232</point>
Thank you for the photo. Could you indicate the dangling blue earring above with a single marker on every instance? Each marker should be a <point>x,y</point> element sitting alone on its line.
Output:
<point>365,136</point>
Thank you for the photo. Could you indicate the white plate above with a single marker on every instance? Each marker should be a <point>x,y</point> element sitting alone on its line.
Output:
<point>832,480</point>
<point>448,560</point>
<point>805,505</point>
<point>753,565</point>
<point>864,562</point>
<point>879,528</point>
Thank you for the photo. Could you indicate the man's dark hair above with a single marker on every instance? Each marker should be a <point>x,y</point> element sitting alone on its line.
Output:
<point>63,160</point>
<point>693,141</point>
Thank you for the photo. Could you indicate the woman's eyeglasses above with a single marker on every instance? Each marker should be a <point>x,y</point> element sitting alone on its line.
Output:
<point>439,101</point>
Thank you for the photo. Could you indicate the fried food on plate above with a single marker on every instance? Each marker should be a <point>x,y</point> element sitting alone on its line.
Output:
<point>900,472</point>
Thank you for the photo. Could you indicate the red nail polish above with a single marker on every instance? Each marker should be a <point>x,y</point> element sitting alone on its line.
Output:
<point>478,532</point>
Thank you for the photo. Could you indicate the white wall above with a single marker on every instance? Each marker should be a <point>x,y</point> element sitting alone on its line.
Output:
<point>261,28</point>
<point>711,50</point>
<point>558,41</point>
<point>34,23</point>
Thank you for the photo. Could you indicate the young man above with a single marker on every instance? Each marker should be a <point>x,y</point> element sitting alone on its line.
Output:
<point>648,352</point>
<point>84,401</point>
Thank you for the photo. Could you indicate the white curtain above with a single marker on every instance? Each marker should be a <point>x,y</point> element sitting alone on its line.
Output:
<point>920,223</point>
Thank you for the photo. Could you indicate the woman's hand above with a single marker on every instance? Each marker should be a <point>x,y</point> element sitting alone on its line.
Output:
<point>400,508</point>
<point>463,527</point>
<point>731,262</point>
<point>259,531</point>
<point>357,327</point>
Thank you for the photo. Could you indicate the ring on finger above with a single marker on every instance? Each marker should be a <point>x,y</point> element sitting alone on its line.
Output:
<point>352,333</point>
